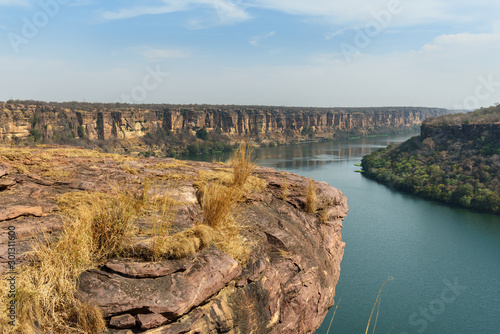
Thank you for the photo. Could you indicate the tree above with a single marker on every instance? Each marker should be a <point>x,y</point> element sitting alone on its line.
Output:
<point>202,133</point>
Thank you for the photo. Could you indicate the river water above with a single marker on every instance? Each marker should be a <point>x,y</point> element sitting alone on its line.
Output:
<point>444,261</point>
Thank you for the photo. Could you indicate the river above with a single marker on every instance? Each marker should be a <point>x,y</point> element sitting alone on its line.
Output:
<point>445,261</point>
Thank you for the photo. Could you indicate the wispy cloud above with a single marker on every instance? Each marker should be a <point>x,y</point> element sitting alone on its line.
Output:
<point>226,11</point>
<point>357,12</point>
<point>127,13</point>
<point>464,42</point>
<point>156,55</point>
<point>255,40</point>
<point>17,3</point>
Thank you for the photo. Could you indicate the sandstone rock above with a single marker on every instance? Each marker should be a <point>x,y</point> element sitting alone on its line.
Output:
<point>283,124</point>
<point>171,295</point>
<point>123,321</point>
<point>6,183</point>
<point>4,169</point>
<point>150,320</point>
<point>147,269</point>
<point>20,210</point>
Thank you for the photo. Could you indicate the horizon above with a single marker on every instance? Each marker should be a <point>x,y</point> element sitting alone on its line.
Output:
<point>227,105</point>
<point>314,54</point>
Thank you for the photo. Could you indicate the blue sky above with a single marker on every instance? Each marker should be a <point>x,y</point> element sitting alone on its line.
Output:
<point>324,53</point>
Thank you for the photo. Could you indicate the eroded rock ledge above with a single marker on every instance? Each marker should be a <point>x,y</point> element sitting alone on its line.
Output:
<point>287,286</point>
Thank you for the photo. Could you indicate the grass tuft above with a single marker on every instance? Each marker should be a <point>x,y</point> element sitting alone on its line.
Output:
<point>182,244</point>
<point>311,197</point>
<point>285,190</point>
<point>242,164</point>
<point>219,202</point>
<point>220,206</point>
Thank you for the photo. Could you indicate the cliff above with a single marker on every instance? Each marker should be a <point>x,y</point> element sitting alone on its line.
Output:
<point>455,160</point>
<point>284,284</point>
<point>104,122</point>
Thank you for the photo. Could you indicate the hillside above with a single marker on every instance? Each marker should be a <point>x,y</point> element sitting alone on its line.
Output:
<point>455,160</point>
<point>172,130</point>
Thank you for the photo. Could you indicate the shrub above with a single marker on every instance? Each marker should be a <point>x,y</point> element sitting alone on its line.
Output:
<point>311,197</point>
<point>202,134</point>
<point>242,164</point>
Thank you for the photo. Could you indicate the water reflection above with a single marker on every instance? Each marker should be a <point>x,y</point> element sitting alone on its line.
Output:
<point>312,156</point>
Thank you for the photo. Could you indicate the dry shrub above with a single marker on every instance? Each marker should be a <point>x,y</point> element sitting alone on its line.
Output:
<point>311,197</point>
<point>226,177</point>
<point>219,202</point>
<point>220,205</point>
<point>110,219</point>
<point>242,164</point>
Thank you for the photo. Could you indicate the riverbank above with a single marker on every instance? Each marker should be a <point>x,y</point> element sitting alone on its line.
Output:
<point>455,160</point>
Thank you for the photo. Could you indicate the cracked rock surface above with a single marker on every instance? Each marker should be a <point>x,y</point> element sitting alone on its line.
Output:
<point>287,286</point>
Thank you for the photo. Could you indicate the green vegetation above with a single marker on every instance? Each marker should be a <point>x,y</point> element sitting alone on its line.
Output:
<point>455,163</point>
<point>185,142</point>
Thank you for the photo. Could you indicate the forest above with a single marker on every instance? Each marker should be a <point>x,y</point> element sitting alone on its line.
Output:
<point>456,160</point>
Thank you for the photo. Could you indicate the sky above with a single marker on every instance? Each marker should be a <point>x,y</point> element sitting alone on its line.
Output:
<point>311,53</point>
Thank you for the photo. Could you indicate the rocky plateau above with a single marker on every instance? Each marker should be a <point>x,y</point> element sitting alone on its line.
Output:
<point>287,285</point>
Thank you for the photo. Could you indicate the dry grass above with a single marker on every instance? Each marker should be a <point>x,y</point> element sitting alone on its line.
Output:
<point>110,219</point>
<point>284,190</point>
<point>170,165</point>
<point>130,170</point>
<point>228,239</point>
<point>57,174</point>
<point>377,304</point>
<point>97,227</point>
<point>182,244</point>
<point>242,164</point>
<point>226,176</point>
<point>311,197</point>
<point>220,204</point>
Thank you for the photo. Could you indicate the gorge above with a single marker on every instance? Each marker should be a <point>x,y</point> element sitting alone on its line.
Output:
<point>134,129</point>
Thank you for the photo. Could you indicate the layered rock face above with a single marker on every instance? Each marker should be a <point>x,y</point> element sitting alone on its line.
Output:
<point>287,286</point>
<point>279,124</point>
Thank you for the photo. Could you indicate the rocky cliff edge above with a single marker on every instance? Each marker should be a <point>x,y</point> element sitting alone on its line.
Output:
<point>286,286</point>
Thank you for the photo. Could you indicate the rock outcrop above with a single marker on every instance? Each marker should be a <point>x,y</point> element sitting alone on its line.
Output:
<point>287,286</point>
<point>277,124</point>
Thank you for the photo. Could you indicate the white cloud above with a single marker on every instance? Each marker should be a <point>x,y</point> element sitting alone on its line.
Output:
<point>17,3</point>
<point>127,13</point>
<point>156,55</point>
<point>255,40</point>
<point>226,11</point>
<point>356,13</point>
<point>457,45</point>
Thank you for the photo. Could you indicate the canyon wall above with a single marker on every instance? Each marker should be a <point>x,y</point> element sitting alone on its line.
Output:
<point>280,124</point>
